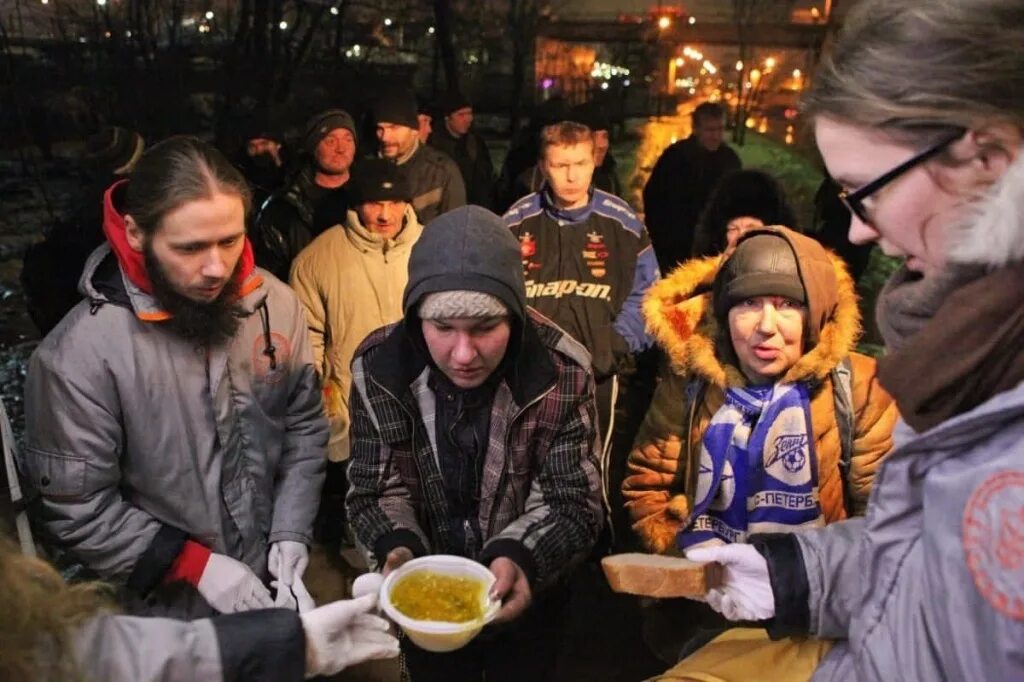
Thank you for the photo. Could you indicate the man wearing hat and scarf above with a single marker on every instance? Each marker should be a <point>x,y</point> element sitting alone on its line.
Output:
<point>468,149</point>
<point>350,281</point>
<point>315,199</point>
<point>435,180</point>
<point>474,433</point>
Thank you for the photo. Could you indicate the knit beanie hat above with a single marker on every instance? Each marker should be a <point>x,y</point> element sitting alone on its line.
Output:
<point>397,107</point>
<point>321,125</point>
<point>450,102</point>
<point>461,303</point>
<point>380,180</point>
<point>763,264</point>
<point>113,150</point>
<point>467,249</point>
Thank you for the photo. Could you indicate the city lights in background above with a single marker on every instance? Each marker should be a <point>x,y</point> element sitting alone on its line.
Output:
<point>603,71</point>
<point>692,21</point>
<point>335,11</point>
<point>664,22</point>
<point>209,14</point>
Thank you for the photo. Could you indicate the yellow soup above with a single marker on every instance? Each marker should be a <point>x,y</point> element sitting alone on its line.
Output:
<point>426,595</point>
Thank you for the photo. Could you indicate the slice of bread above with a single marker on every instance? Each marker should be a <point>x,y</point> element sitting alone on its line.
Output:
<point>654,575</point>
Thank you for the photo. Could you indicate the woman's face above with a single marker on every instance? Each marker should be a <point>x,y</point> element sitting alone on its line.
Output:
<point>909,217</point>
<point>767,334</point>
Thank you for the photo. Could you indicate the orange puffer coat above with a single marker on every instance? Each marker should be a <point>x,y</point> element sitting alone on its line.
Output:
<point>661,477</point>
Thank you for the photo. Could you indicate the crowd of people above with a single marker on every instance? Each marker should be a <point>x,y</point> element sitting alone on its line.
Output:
<point>404,353</point>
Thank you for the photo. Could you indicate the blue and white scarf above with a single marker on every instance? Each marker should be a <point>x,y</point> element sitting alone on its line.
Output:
<point>758,468</point>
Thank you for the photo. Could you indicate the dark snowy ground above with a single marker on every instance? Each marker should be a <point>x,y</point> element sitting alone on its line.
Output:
<point>32,194</point>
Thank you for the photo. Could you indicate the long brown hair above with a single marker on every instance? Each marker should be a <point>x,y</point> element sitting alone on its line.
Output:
<point>39,615</point>
<point>916,70</point>
<point>174,172</point>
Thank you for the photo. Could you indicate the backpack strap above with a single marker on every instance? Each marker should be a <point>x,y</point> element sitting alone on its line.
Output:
<point>842,392</point>
<point>695,391</point>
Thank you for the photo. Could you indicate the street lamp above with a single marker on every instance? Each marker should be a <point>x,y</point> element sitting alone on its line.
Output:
<point>693,20</point>
<point>209,14</point>
<point>769,63</point>
<point>664,22</point>
<point>283,26</point>
<point>387,22</point>
<point>101,3</point>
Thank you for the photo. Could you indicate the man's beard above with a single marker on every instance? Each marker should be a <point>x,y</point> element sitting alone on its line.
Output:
<point>204,324</point>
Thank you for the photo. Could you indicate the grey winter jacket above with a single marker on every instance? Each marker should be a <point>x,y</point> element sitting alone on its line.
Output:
<point>930,584</point>
<point>136,441</point>
<point>436,182</point>
<point>257,646</point>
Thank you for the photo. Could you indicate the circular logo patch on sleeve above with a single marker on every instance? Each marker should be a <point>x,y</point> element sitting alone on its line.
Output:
<point>269,363</point>
<point>993,536</point>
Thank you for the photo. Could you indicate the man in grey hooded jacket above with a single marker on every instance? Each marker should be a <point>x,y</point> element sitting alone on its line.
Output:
<point>174,428</point>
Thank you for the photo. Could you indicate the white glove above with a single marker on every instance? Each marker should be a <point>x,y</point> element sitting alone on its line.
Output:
<point>294,598</point>
<point>228,585</point>
<point>746,590</point>
<point>343,633</point>
<point>367,583</point>
<point>287,560</point>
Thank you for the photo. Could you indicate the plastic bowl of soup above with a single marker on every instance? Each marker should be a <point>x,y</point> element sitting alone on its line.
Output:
<point>441,601</point>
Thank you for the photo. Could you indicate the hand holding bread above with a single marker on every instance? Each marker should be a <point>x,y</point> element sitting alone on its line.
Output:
<point>663,577</point>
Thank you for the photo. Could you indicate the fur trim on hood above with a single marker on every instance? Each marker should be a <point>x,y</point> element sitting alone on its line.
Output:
<point>992,234</point>
<point>680,316</point>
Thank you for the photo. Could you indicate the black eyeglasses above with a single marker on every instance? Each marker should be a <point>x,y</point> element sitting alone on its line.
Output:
<point>854,201</point>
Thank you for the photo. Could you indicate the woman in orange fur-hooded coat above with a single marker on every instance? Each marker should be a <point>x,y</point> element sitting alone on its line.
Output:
<point>661,480</point>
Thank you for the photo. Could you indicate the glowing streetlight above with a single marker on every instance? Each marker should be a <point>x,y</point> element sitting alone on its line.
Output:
<point>739,66</point>
<point>387,22</point>
<point>101,3</point>
<point>664,22</point>
<point>209,14</point>
<point>334,11</point>
<point>283,26</point>
<point>755,75</point>
<point>45,2</point>
<point>769,63</point>
<point>796,73</point>
<point>693,20</point>
<point>680,61</point>
<point>430,30</point>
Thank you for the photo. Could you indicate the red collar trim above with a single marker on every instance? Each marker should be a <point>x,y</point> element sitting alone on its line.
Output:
<point>134,265</point>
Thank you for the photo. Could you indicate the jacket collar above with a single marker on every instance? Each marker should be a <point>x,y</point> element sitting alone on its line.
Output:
<point>104,280</point>
<point>401,359</point>
<point>566,215</point>
<point>679,314</point>
<point>365,240</point>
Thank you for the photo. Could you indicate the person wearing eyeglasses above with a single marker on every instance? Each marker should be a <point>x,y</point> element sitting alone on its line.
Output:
<point>919,115</point>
